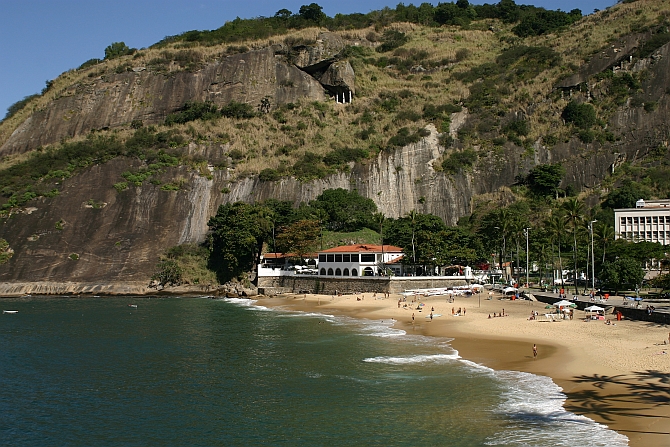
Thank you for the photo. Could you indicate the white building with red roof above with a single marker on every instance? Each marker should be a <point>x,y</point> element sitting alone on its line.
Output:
<point>360,260</point>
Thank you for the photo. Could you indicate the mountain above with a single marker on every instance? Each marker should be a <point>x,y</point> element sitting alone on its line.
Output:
<point>122,158</point>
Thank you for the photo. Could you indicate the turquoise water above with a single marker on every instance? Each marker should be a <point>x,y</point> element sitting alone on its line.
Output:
<point>203,372</point>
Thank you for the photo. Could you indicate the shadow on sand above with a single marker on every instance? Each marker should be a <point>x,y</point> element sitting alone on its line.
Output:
<point>637,395</point>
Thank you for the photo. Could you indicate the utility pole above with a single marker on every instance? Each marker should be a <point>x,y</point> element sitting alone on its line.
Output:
<point>525,230</point>
<point>593,265</point>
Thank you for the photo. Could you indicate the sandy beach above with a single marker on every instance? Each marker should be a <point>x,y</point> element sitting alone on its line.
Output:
<point>617,374</point>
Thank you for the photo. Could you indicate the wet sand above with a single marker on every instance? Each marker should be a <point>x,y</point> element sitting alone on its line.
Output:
<point>615,374</point>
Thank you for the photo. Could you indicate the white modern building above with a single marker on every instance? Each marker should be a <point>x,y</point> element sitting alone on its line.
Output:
<point>359,260</point>
<point>648,221</point>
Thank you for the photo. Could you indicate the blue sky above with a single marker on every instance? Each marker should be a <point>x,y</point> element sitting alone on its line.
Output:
<point>43,38</point>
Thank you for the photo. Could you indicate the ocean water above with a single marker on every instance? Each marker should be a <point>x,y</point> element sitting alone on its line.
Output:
<point>204,372</point>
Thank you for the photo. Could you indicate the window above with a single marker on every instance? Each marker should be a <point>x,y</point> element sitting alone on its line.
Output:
<point>322,258</point>
<point>655,235</point>
<point>366,257</point>
<point>331,258</point>
<point>648,219</point>
<point>346,258</point>
<point>338,258</point>
<point>635,220</point>
<point>655,219</point>
<point>648,235</point>
<point>322,272</point>
<point>368,271</point>
<point>338,272</point>
<point>354,258</point>
<point>354,272</point>
<point>330,272</point>
<point>623,221</point>
<point>345,272</point>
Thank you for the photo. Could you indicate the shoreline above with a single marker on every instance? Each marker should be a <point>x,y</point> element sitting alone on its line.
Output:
<point>613,374</point>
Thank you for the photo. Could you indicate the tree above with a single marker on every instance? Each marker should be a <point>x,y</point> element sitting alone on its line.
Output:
<point>5,251</point>
<point>661,281</point>
<point>407,232</point>
<point>118,49</point>
<point>556,226</point>
<point>312,12</point>
<point>581,115</point>
<point>573,216</point>
<point>605,235</point>
<point>235,240</point>
<point>299,237</point>
<point>627,195</point>
<point>283,14</point>
<point>621,273</point>
<point>543,180</point>
<point>347,210</point>
<point>168,273</point>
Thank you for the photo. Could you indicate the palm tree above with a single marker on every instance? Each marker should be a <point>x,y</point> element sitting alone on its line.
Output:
<point>556,226</point>
<point>605,234</point>
<point>379,218</point>
<point>413,215</point>
<point>573,216</point>
<point>517,226</point>
<point>505,226</point>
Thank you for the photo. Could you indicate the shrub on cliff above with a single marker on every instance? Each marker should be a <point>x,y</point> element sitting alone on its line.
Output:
<point>581,115</point>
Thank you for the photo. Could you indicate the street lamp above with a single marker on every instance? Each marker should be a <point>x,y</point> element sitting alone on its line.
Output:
<point>593,265</point>
<point>525,230</point>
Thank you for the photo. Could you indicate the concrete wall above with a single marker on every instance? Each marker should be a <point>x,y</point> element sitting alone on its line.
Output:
<point>361,284</point>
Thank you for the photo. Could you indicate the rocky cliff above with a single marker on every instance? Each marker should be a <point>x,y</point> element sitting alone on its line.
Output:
<point>93,233</point>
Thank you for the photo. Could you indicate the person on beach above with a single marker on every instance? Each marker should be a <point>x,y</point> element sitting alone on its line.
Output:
<point>431,316</point>
<point>464,311</point>
<point>534,351</point>
<point>412,317</point>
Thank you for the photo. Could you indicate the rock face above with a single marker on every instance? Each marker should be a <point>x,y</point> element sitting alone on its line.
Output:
<point>339,78</point>
<point>326,48</point>
<point>66,239</point>
<point>115,100</point>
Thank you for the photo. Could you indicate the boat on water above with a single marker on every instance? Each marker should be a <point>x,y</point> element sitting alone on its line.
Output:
<point>132,305</point>
<point>10,311</point>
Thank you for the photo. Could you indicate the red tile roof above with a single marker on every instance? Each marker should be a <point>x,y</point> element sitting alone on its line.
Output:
<point>363,248</point>
<point>287,255</point>
<point>397,260</point>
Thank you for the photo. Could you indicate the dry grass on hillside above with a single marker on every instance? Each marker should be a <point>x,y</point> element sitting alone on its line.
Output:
<point>272,141</point>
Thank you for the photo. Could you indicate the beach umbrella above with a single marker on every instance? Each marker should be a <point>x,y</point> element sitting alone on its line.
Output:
<point>564,303</point>
<point>507,290</point>
<point>548,306</point>
<point>594,309</point>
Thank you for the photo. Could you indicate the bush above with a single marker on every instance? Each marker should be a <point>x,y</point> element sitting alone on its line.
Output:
<point>89,63</point>
<point>581,115</point>
<point>403,138</point>
<point>118,49</point>
<point>309,167</point>
<point>391,40</point>
<point>238,110</point>
<point>518,127</point>
<point>456,162</point>
<point>434,112</point>
<point>586,136</point>
<point>269,175</point>
<point>193,110</point>
<point>345,155</point>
